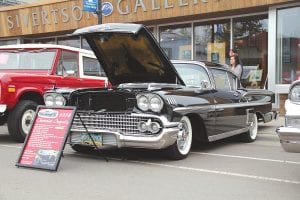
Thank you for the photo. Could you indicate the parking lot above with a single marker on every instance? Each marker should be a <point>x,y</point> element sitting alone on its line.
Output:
<point>225,169</point>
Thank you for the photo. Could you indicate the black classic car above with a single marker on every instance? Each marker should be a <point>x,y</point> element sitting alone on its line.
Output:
<point>156,104</point>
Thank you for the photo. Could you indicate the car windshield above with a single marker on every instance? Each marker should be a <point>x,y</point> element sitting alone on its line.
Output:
<point>38,59</point>
<point>191,74</point>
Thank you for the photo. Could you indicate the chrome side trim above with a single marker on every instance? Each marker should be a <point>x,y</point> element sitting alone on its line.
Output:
<point>220,106</point>
<point>227,134</point>
<point>193,108</point>
<point>238,105</point>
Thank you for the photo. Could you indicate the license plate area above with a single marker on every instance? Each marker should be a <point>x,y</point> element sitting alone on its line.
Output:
<point>86,139</point>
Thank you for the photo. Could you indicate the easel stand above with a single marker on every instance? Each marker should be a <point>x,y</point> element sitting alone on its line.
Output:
<point>98,151</point>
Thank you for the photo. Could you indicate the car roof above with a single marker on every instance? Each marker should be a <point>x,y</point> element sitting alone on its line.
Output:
<point>53,46</point>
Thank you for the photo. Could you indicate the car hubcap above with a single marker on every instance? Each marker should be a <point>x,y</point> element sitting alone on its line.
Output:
<point>253,127</point>
<point>184,139</point>
<point>27,120</point>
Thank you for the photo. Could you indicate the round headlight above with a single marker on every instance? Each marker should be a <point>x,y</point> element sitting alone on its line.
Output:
<point>156,103</point>
<point>49,100</point>
<point>295,94</point>
<point>60,100</point>
<point>143,102</point>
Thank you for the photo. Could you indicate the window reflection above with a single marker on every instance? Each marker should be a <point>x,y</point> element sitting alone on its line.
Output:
<point>251,42</point>
<point>288,45</point>
<point>176,41</point>
<point>212,41</point>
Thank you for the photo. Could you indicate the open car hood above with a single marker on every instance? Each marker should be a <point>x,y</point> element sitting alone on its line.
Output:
<point>129,53</point>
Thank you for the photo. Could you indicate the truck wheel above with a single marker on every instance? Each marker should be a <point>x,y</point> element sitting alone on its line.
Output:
<point>20,119</point>
<point>181,148</point>
<point>251,135</point>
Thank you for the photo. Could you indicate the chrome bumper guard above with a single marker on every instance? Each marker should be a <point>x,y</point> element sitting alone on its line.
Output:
<point>269,116</point>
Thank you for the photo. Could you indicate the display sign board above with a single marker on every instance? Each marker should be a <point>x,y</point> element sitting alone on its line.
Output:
<point>90,5</point>
<point>46,140</point>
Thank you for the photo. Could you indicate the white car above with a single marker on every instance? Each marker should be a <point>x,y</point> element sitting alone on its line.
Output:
<point>290,133</point>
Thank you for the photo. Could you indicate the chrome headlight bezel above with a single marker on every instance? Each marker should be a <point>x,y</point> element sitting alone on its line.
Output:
<point>49,100</point>
<point>142,102</point>
<point>152,102</point>
<point>156,103</point>
<point>54,99</point>
<point>294,94</point>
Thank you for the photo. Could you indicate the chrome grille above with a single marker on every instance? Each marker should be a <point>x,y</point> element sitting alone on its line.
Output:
<point>122,123</point>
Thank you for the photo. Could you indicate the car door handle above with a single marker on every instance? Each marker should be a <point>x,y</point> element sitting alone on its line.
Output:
<point>219,109</point>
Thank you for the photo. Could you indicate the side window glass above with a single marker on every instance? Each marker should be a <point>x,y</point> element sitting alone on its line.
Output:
<point>221,79</point>
<point>192,75</point>
<point>92,67</point>
<point>68,64</point>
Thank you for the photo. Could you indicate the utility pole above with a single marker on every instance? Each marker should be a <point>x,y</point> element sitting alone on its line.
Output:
<point>99,12</point>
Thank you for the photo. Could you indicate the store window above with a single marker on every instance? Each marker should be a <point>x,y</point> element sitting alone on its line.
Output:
<point>69,41</point>
<point>250,40</point>
<point>212,41</point>
<point>288,45</point>
<point>85,44</point>
<point>45,41</point>
<point>8,42</point>
<point>176,41</point>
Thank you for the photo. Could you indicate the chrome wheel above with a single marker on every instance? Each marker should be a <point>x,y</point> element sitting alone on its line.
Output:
<point>253,129</point>
<point>181,148</point>
<point>27,120</point>
<point>184,138</point>
<point>251,134</point>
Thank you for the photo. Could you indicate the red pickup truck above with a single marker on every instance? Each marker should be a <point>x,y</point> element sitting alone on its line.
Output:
<point>28,70</point>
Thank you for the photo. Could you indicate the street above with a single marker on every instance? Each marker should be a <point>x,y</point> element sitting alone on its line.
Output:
<point>226,169</point>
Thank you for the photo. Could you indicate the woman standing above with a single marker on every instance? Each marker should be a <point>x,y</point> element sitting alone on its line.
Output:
<point>236,66</point>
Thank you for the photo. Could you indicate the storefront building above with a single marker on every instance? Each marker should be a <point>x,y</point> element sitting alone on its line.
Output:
<point>266,33</point>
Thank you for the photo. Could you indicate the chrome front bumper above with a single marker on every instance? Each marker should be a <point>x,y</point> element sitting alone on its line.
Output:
<point>116,134</point>
<point>289,138</point>
<point>111,139</point>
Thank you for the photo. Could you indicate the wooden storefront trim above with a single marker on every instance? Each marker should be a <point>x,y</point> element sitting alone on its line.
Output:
<point>53,16</point>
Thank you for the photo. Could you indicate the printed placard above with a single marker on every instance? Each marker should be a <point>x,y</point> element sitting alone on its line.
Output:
<point>47,138</point>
